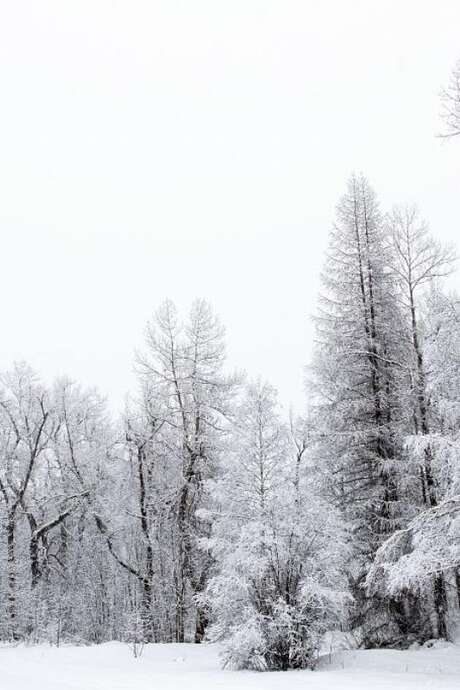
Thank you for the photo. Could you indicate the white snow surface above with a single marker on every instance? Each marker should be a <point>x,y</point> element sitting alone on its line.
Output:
<point>112,666</point>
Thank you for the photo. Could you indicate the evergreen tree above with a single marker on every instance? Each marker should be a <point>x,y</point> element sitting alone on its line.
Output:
<point>356,371</point>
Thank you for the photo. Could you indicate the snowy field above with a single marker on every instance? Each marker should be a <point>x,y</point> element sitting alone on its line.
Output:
<point>194,667</point>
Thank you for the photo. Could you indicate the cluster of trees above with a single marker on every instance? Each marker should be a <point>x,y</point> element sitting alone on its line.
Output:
<point>198,513</point>
<point>386,380</point>
<point>205,514</point>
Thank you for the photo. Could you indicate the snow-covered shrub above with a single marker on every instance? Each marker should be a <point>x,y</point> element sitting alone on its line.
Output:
<point>278,548</point>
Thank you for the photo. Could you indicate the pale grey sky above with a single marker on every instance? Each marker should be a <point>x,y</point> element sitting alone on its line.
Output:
<point>181,149</point>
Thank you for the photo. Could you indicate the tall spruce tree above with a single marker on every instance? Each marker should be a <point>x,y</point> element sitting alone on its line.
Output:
<point>355,374</point>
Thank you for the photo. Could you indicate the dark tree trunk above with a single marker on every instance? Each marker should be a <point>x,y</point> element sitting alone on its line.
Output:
<point>147,580</point>
<point>201,625</point>
<point>180,611</point>
<point>35,569</point>
<point>11,569</point>
<point>429,484</point>
<point>457,582</point>
<point>440,604</point>
<point>147,621</point>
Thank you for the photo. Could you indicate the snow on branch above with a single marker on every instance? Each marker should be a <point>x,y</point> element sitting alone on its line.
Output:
<point>428,546</point>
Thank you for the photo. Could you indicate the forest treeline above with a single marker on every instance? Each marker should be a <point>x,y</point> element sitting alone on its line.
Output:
<point>205,513</point>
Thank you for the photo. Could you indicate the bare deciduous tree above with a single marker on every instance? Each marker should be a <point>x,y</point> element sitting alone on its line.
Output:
<point>450,102</point>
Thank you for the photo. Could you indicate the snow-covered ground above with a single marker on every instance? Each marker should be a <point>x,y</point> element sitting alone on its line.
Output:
<point>196,667</point>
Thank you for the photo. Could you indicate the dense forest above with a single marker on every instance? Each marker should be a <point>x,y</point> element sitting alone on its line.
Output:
<point>206,513</point>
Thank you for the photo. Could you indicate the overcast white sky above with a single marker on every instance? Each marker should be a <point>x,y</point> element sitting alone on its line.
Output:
<point>181,149</point>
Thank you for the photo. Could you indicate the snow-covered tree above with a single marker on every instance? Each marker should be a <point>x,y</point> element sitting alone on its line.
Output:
<point>174,436</point>
<point>424,558</point>
<point>278,546</point>
<point>355,375</point>
<point>26,429</point>
<point>450,101</point>
<point>53,445</point>
<point>416,262</point>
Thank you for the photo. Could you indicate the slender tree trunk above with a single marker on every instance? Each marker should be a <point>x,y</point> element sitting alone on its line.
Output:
<point>34,561</point>
<point>200,625</point>
<point>147,596</point>
<point>457,583</point>
<point>440,605</point>
<point>429,485</point>
<point>184,569</point>
<point>147,622</point>
<point>11,577</point>
<point>147,580</point>
<point>180,608</point>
